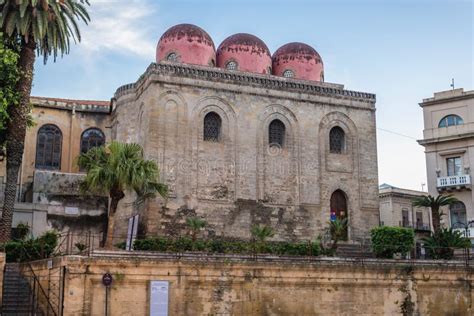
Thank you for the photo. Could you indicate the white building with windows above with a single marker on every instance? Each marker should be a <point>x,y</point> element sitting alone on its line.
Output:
<point>448,138</point>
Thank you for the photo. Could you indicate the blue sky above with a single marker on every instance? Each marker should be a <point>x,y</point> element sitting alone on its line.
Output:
<point>401,50</point>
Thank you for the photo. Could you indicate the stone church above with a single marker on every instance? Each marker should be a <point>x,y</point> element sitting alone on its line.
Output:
<point>242,137</point>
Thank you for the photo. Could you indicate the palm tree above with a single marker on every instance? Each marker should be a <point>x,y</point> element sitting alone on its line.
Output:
<point>338,231</point>
<point>116,168</point>
<point>44,26</point>
<point>195,224</point>
<point>434,203</point>
<point>261,234</point>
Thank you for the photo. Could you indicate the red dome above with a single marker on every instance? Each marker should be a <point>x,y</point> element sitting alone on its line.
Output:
<point>298,60</point>
<point>188,44</point>
<point>244,52</point>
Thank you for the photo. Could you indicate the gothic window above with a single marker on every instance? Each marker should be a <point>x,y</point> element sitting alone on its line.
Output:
<point>450,120</point>
<point>172,57</point>
<point>48,148</point>
<point>337,141</point>
<point>212,127</point>
<point>231,65</point>
<point>93,137</point>
<point>288,73</point>
<point>276,133</point>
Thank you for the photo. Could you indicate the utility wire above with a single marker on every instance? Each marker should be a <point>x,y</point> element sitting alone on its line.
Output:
<point>395,133</point>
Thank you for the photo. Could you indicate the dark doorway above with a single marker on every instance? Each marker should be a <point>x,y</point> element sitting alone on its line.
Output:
<point>339,207</point>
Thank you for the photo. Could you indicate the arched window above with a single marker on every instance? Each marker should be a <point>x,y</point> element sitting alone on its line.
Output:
<point>212,127</point>
<point>288,73</point>
<point>172,57</point>
<point>276,133</point>
<point>337,140</point>
<point>92,137</point>
<point>48,148</point>
<point>450,120</point>
<point>231,65</point>
<point>458,214</point>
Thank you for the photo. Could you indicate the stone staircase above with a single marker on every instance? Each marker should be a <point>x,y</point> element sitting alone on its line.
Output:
<point>16,293</point>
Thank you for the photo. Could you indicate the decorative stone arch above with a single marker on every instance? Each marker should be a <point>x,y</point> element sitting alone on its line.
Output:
<point>167,139</point>
<point>341,120</point>
<point>290,149</point>
<point>225,112</point>
<point>226,146</point>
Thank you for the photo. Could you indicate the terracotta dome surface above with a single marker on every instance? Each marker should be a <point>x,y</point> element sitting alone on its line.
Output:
<point>298,60</point>
<point>247,52</point>
<point>186,43</point>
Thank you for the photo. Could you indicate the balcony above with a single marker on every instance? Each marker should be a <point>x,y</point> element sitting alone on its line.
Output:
<point>469,232</point>
<point>454,183</point>
<point>416,226</point>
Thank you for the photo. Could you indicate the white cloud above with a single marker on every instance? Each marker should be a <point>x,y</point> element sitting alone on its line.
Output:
<point>120,26</point>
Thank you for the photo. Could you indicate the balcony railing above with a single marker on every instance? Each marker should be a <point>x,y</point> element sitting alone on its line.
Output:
<point>454,182</point>
<point>415,226</point>
<point>469,232</point>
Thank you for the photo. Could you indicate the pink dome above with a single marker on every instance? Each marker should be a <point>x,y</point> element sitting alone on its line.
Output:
<point>186,43</point>
<point>299,61</point>
<point>244,52</point>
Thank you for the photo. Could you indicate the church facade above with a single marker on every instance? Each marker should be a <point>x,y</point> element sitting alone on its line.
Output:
<point>242,138</point>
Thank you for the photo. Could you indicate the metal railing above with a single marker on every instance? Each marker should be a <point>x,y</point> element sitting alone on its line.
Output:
<point>358,248</point>
<point>40,299</point>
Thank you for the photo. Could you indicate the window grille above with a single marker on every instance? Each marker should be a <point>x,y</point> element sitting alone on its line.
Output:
<point>48,148</point>
<point>172,57</point>
<point>212,127</point>
<point>336,140</point>
<point>288,73</point>
<point>231,65</point>
<point>276,133</point>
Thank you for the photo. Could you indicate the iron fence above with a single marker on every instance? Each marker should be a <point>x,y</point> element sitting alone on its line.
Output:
<point>358,249</point>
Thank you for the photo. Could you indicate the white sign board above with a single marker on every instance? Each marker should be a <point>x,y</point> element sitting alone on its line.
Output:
<point>71,210</point>
<point>132,232</point>
<point>159,298</point>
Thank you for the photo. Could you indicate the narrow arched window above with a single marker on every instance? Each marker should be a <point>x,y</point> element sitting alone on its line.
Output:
<point>92,137</point>
<point>212,127</point>
<point>337,140</point>
<point>172,57</point>
<point>276,133</point>
<point>48,148</point>
<point>450,120</point>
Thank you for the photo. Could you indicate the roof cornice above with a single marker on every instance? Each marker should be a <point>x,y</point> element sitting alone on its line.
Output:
<point>249,79</point>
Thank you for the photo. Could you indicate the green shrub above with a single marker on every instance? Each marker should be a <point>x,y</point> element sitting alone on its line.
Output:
<point>21,231</point>
<point>121,245</point>
<point>225,246</point>
<point>442,243</point>
<point>152,244</point>
<point>31,249</point>
<point>387,241</point>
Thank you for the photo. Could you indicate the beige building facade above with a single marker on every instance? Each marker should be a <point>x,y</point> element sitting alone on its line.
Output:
<point>448,138</point>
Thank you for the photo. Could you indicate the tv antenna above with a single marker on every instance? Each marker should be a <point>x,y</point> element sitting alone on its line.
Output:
<point>452,83</point>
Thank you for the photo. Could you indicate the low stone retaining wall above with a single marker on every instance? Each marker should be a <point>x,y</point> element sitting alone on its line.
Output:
<point>211,285</point>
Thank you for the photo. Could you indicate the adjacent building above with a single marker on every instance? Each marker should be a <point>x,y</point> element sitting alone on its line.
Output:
<point>396,209</point>
<point>448,138</point>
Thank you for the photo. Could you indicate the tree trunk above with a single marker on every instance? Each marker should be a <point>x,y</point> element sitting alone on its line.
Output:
<point>436,218</point>
<point>116,196</point>
<point>15,136</point>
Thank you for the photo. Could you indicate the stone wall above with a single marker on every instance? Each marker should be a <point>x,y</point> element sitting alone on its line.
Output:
<point>230,286</point>
<point>240,180</point>
<point>2,270</point>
